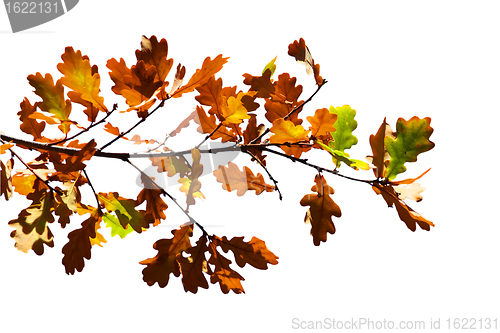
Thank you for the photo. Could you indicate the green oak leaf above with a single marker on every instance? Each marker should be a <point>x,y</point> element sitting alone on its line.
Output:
<point>112,222</point>
<point>412,138</point>
<point>344,126</point>
<point>338,156</point>
<point>124,210</point>
<point>271,66</point>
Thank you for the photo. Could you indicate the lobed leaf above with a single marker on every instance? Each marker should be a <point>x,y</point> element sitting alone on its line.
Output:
<point>412,139</point>
<point>321,209</point>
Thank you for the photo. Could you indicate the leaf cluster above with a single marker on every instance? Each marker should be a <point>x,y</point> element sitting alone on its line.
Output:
<point>267,117</point>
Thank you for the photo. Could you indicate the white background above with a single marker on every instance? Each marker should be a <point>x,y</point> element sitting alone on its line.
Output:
<point>385,59</point>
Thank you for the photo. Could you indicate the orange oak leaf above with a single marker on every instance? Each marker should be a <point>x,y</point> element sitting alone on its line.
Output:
<point>185,123</point>
<point>223,274</point>
<point>53,98</point>
<point>194,266</point>
<point>208,69</point>
<point>233,179</point>
<point>154,53</point>
<point>113,130</point>
<point>410,217</point>
<point>321,209</point>
<point>6,178</point>
<point>285,131</point>
<point>160,267</point>
<point>31,230</point>
<point>28,125</point>
<point>300,51</point>
<point>81,77</point>
<point>261,84</point>
<point>254,252</point>
<point>137,84</point>
<point>284,100</point>
<point>79,244</point>
<point>155,205</point>
<point>208,125</point>
<point>322,123</point>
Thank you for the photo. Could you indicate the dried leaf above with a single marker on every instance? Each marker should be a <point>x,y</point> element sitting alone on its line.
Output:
<point>254,252</point>
<point>233,179</point>
<point>322,208</point>
<point>6,178</point>
<point>79,244</point>
<point>160,267</point>
<point>194,266</point>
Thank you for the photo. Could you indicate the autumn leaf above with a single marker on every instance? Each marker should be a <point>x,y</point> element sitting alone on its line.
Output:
<point>233,179</point>
<point>284,100</point>
<point>155,205</point>
<point>67,202</point>
<point>31,227</point>
<point>171,164</point>
<point>380,156</point>
<point>261,84</point>
<point>300,51</point>
<point>254,252</point>
<point>208,125</point>
<point>194,266</point>
<point>53,98</point>
<point>286,132</point>
<point>322,123</point>
<point>124,210</point>
<point>6,178</point>
<point>113,130</point>
<point>410,191</point>
<point>412,139</point>
<point>114,224</point>
<point>160,267</point>
<point>223,274</point>
<point>75,162</point>
<point>233,112</point>
<point>28,125</point>
<point>252,132</point>
<point>5,147</point>
<point>79,244</point>
<point>179,77</point>
<point>81,77</point>
<point>156,55</point>
<point>98,239</point>
<point>191,185</point>
<point>410,217</point>
<point>321,209</point>
<point>208,69</point>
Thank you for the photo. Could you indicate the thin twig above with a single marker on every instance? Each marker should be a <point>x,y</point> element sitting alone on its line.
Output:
<point>267,171</point>
<point>93,190</point>
<point>115,107</point>
<point>133,127</point>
